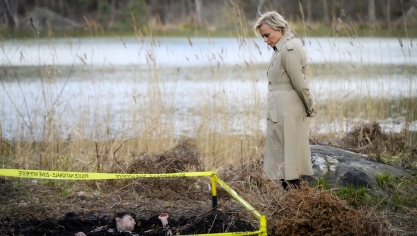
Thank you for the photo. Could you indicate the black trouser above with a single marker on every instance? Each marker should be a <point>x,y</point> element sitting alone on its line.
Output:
<point>294,183</point>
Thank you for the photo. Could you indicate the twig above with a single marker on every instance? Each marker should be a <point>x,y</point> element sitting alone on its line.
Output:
<point>375,207</point>
<point>298,209</point>
<point>212,224</point>
<point>197,219</point>
<point>98,157</point>
<point>114,153</point>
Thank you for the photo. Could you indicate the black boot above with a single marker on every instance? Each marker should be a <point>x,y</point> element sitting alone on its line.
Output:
<point>295,183</point>
<point>284,184</point>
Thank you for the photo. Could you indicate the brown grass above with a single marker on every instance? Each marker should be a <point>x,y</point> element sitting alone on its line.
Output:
<point>369,138</point>
<point>307,211</point>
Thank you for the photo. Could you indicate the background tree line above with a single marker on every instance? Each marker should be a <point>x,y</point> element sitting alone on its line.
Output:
<point>214,14</point>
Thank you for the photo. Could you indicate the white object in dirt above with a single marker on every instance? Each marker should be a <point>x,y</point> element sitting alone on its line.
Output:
<point>163,217</point>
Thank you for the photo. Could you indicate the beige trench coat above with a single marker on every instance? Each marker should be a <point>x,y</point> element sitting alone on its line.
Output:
<point>287,154</point>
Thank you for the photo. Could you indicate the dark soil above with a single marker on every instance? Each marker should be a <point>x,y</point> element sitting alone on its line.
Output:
<point>42,210</point>
<point>211,222</point>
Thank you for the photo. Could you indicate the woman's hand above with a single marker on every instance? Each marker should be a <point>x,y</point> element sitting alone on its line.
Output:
<point>314,110</point>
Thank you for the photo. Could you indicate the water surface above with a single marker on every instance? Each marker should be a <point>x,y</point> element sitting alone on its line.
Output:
<point>87,85</point>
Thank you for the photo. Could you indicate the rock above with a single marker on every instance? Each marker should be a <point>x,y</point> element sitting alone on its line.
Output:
<point>340,168</point>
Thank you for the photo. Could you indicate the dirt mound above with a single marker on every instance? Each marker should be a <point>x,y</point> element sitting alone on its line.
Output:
<point>312,212</point>
<point>308,211</point>
<point>183,157</point>
<point>369,138</point>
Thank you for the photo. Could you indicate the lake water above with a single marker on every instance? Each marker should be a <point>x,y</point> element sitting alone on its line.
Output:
<point>85,82</point>
<point>199,51</point>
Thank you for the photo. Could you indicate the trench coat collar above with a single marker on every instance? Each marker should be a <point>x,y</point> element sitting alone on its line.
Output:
<point>287,36</point>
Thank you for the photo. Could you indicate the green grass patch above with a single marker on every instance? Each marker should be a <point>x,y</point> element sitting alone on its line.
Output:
<point>396,194</point>
<point>401,193</point>
<point>355,196</point>
<point>321,183</point>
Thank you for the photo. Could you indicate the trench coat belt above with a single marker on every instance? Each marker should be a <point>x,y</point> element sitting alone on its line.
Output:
<point>280,87</point>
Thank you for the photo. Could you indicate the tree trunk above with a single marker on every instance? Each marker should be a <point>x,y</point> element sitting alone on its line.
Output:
<point>388,14</point>
<point>183,10</point>
<point>371,11</point>
<point>326,13</point>
<point>112,11</point>
<point>12,9</point>
<point>166,14</point>
<point>198,5</point>
<point>190,8</point>
<point>62,7</point>
<point>309,11</point>
<point>4,16</point>
<point>52,6</point>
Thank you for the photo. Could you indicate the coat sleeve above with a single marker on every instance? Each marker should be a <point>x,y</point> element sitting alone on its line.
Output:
<point>294,64</point>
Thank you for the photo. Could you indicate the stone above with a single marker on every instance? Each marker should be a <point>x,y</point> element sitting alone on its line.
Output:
<point>340,168</point>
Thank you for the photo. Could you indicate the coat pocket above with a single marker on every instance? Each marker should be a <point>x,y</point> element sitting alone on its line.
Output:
<point>273,115</point>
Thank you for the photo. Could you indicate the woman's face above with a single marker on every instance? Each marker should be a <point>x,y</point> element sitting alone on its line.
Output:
<point>270,36</point>
<point>126,223</point>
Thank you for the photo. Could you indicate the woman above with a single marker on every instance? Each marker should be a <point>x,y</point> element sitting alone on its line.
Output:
<point>123,223</point>
<point>287,154</point>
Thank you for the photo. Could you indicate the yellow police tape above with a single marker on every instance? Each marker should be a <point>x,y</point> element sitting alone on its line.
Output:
<point>237,197</point>
<point>43,174</point>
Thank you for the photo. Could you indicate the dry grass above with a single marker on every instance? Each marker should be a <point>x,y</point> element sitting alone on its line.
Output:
<point>317,212</point>
<point>308,210</point>
<point>94,143</point>
<point>368,138</point>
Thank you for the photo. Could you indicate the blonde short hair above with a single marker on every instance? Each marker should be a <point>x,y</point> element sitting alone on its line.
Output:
<point>273,19</point>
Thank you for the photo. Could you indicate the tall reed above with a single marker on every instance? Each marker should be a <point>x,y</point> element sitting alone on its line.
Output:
<point>105,139</point>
